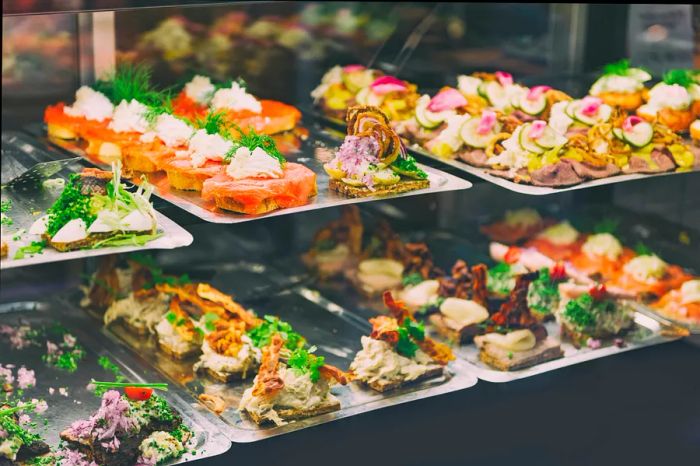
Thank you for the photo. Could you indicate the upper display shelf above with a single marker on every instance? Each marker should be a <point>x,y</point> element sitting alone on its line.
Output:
<point>38,7</point>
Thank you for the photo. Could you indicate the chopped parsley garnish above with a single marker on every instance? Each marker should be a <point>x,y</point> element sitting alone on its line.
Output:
<point>543,293</point>
<point>500,279</point>
<point>271,325</point>
<point>583,311</point>
<point>607,225</point>
<point>180,431</point>
<point>35,247</point>
<point>304,362</point>
<point>681,77</point>
<point>175,320</point>
<point>642,249</point>
<point>209,320</point>
<point>409,332</point>
<point>66,358</point>
<point>412,279</point>
<point>107,364</point>
<point>619,68</point>
<point>5,206</point>
<point>14,430</point>
<point>130,82</point>
<point>252,140</point>
<point>406,165</point>
<point>70,205</point>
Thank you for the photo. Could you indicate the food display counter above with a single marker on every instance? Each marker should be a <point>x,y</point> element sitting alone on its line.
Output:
<point>272,232</point>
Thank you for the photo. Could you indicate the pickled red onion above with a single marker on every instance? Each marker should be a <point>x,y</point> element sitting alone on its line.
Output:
<point>536,92</point>
<point>353,68</point>
<point>590,105</point>
<point>630,122</point>
<point>447,99</point>
<point>386,84</point>
<point>537,129</point>
<point>506,79</point>
<point>487,122</point>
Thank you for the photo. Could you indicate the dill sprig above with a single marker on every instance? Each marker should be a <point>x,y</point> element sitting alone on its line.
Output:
<point>227,84</point>
<point>253,140</point>
<point>619,67</point>
<point>212,123</point>
<point>164,107</point>
<point>130,82</point>
<point>681,77</point>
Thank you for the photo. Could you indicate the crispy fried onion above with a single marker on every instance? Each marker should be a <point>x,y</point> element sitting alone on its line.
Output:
<point>346,230</point>
<point>515,313</point>
<point>494,147</point>
<point>418,259</point>
<point>227,339</point>
<point>207,291</point>
<point>369,121</point>
<point>183,325</point>
<point>268,382</point>
<point>384,328</point>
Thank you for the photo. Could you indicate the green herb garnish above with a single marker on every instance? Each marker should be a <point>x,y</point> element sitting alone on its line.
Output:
<point>13,429</point>
<point>65,357</point>
<point>180,431</point>
<point>130,82</point>
<point>607,225</point>
<point>271,325</point>
<point>213,123</point>
<point>642,249</point>
<point>412,279</point>
<point>35,247</point>
<point>500,279</point>
<point>620,67</point>
<point>5,206</point>
<point>252,140</point>
<point>127,239</point>
<point>427,308</point>
<point>109,366</point>
<point>409,332</point>
<point>406,165</point>
<point>164,108</point>
<point>209,320</point>
<point>543,293</point>
<point>304,362</point>
<point>71,204</point>
<point>171,317</point>
<point>583,312</point>
<point>155,386</point>
<point>683,78</point>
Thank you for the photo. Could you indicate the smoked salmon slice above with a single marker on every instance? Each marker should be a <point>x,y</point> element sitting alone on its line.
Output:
<point>65,126</point>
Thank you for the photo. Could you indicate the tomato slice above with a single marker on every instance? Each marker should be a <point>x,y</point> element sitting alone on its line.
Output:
<point>138,393</point>
<point>512,255</point>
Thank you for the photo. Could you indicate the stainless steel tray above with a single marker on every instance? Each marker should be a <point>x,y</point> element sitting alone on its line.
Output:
<point>80,403</point>
<point>335,331</point>
<point>314,152</point>
<point>30,200</point>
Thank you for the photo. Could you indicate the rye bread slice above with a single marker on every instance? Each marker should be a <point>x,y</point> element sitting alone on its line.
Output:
<point>361,191</point>
<point>294,414</point>
<point>386,385</point>
<point>452,331</point>
<point>505,360</point>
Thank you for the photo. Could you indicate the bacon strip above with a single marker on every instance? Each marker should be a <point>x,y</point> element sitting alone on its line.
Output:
<point>188,293</point>
<point>384,328</point>
<point>439,352</point>
<point>227,339</point>
<point>207,291</point>
<point>331,372</point>
<point>397,308</point>
<point>186,329</point>
<point>268,382</point>
<point>479,291</point>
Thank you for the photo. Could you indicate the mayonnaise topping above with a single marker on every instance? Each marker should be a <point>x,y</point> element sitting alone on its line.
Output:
<point>518,340</point>
<point>200,89</point>
<point>646,269</point>
<point>204,146</point>
<point>664,95</point>
<point>171,130</point>
<point>90,104</point>
<point>235,98</point>
<point>602,244</point>
<point>616,83</point>
<point>526,217</point>
<point>464,311</point>
<point>129,117</point>
<point>377,360</point>
<point>255,164</point>
<point>690,292</point>
<point>560,234</point>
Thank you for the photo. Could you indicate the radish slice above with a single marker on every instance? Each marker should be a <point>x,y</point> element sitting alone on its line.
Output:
<point>353,68</point>
<point>506,79</point>
<point>448,99</point>
<point>537,129</point>
<point>487,122</point>
<point>630,122</point>
<point>387,84</point>
<point>536,92</point>
<point>590,105</point>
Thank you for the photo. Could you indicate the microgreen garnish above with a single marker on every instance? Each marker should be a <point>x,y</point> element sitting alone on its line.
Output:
<point>71,204</point>
<point>130,82</point>
<point>163,108</point>
<point>607,225</point>
<point>253,140</point>
<point>304,362</point>
<point>501,279</point>
<point>409,332</point>
<point>681,77</point>
<point>209,319</point>
<point>156,386</point>
<point>642,249</point>
<point>406,165</point>
<point>543,292</point>
<point>35,247</point>
<point>412,279</point>
<point>271,325</point>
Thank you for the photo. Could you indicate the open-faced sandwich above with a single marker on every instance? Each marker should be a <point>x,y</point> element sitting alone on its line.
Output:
<point>372,160</point>
<point>601,256</point>
<point>137,428</point>
<point>95,209</point>
<point>398,351</point>
<point>649,277</point>
<point>18,444</point>
<point>238,107</point>
<point>621,85</point>
<point>91,110</point>
<point>495,90</point>
<point>560,241</point>
<point>514,338</point>
<point>681,304</point>
<point>589,315</point>
<point>577,116</point>
<point>337,246</point>
<point>516,225</point>
<point>115,278</point>
<point>339,88</point>
<point>672,102</point>
<point>290,385</point>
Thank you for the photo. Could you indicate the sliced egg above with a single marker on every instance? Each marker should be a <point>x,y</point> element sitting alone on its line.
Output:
<point>75,230</point>
<point>464,311</point>
<point>137,221</point>
<point>39,225</point>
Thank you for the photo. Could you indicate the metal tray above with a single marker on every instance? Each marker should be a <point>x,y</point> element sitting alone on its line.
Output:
<point>502,182</point>
<point>335,331</point>
<point>314,151</point>
<point>29,201</point>
<point>80,403</point>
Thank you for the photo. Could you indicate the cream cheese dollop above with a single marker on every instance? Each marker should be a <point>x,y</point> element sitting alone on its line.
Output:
<point>200,89</point>
<point>171,130</point>
<point>664,95</point>
<point>690,292</point>
<point>204,146</point>
<point>602,244</point>
<point>235,98</point>
<point>646,269</point>
<point>561,234</point>
<point>129,117</point>
<point>90,104</point>
<point>255,164</point>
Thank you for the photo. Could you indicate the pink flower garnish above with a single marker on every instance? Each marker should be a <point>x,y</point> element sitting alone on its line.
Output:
<point>447,99</point>
<point>25,378</point>
<point>387,84</point>
<point>6,376</point>
<point>630,122</point>
<point>24,419</point>
<point>536,92</point>
<point>592,343</point>
<point>40,406</point>
<point>487,122</point>
<point>352,68</point>
<point>51,348</point>
<point>537,129</point>
<point>506,79</point>
<point>590,105</point>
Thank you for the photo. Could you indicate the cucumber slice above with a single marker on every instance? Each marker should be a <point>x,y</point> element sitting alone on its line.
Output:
<point>426,118</point>
<point>367,97</point>
<point>533,107</point>
<point>481,90</point>
<point>526,143</point>
<point>617,132</point>
<point>495,94</point>
<point>640,135</point>
<point>550,139</point>
<point>361,97</point>
<point>470,136</point>
<point>570,109</point>
<point>357,80</point>
<point>515,102</point>
<point>604,113</point>
<point>585,119</point>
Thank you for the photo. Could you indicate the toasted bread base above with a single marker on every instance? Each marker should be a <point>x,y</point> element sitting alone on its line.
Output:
<point>458,335</point>
<point>185,181</point>
<point>60,132</point>
<point>293,414</point>
<point>498,358</point>
<point>386,385</point>
<point>138,162</point>
<point>361,191</point>
<point>230,204</point>
<point>169,350</point>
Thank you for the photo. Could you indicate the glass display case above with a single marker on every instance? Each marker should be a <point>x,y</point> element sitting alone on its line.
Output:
<point>366,223</point>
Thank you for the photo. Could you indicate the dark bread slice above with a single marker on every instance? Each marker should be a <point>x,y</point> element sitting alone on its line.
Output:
<point>452,331</point>
<point>294,414</point>
<point>498,358</point>
<point>386,385</point>
<point>361,191</point>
